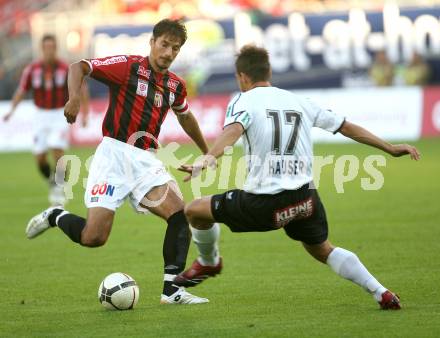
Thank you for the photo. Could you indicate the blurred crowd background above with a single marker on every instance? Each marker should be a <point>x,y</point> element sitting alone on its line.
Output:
<point>313,43</point>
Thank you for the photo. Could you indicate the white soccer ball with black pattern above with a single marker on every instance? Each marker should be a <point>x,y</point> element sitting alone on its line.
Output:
<point>118,291</point>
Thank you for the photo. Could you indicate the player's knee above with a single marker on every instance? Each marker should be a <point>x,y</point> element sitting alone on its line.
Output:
<point>191,211</point>
<point>57,153</point>
<point>41,160</point>
<point>188,212</point>
<point>91,237</point>
<point>319,251</point>
<point>93,241</point>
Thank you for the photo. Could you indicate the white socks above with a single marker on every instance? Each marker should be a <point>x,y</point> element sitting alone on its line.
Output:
<point>206,241</point>
<point>346,264</point>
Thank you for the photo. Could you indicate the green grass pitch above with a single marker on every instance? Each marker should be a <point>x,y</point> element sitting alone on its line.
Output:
<point>269,287</point>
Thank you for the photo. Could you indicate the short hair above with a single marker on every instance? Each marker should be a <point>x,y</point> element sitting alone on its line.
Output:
<point>172,27</point>
<point>254,62</point>
<point>48,37</point>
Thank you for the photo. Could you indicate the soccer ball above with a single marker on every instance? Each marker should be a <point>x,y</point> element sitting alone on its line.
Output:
<point>118,291</point>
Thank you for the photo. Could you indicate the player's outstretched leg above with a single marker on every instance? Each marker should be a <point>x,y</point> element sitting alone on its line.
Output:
<point>92,232</point>
<point>176,243</point>
<point>347,265</point>
<point>205,235</point>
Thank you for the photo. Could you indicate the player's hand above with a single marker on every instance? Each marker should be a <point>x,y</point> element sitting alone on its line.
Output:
<point>71,110</point>
<point>196,169</point>
<point>398,150</point>
<point>7,117</point>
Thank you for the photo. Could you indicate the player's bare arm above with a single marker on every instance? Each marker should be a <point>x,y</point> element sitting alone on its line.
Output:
<point>228,137</point>
<point>77,73</point>
<point>362,135</point>
<point>85,103</point>
<point>18,97</point>
<point>192,129</point>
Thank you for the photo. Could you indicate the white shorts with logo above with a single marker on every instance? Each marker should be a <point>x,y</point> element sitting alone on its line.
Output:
<point>120,171</point>
<point>51,130</point>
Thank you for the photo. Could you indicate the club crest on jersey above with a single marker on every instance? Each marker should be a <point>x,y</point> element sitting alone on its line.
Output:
<point>142,71</point>
<point>158,98</point>
<point>172,98</point>
<point>142,88</point>
<point>172,84</point>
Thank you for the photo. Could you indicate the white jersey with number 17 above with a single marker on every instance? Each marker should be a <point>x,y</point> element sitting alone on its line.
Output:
<point>277,137</point>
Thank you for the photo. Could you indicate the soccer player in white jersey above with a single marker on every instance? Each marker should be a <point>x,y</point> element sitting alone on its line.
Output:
<point>278,192</point>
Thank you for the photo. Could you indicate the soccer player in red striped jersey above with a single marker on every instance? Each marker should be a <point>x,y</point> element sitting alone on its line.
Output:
<point>142,90</point>
<point>47,79</point>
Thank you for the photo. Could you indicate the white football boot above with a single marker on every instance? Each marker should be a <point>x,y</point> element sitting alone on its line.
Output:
<point>182,296</point>
<point>39,223</point>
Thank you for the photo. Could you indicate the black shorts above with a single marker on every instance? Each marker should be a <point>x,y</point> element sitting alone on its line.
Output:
<point>300,212</point>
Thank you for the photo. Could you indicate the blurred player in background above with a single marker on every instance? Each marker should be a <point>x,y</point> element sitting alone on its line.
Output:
<point>278,192</point>
<point>142,90</point>
<point>47,78</point>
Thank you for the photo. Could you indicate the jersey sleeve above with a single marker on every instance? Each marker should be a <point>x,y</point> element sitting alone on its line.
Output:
<point>25,80</point>
<point>238,113</point>
<point>109,70</point>
<point>180,105</point>
<point>325,118</point>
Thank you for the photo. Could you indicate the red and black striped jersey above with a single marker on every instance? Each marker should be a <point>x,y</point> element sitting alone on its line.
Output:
<point>48,83</point>
<point>139,98</point>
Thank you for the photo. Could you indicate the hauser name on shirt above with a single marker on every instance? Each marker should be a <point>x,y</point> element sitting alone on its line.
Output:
<point>286,166</point>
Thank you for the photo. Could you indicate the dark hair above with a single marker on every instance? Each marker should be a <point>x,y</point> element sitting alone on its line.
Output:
<point>172,27</point>
<point>254,62</point>
<point>48,37</point>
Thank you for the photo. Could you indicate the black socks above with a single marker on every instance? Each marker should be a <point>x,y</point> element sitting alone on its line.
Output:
<point>45,170</point>
<point>53,216</point>
<point>72,225</point>
<point>175,248</point>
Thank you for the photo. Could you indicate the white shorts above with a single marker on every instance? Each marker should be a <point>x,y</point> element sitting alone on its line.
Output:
<point>120,170</point>
<point>51,130</point>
